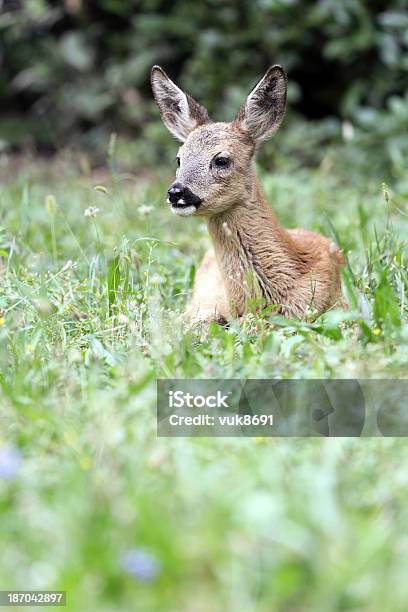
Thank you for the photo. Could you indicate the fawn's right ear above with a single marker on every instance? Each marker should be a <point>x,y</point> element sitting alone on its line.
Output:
<point>181,114</point>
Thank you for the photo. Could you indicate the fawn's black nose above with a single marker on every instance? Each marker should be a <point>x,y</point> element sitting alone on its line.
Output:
<point>175,193</point>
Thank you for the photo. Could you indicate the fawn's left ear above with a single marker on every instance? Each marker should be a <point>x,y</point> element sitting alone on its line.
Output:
<point>181,114</point>
<point>263,111</point>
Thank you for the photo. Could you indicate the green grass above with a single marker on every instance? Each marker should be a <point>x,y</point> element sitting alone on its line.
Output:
<point>89,318</point>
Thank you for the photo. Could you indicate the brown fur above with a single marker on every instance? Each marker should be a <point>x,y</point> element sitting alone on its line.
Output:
<point>254,261</point>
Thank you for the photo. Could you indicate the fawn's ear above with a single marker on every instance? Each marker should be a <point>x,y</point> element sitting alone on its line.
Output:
<point>263,111</point>
<point>181,114</point>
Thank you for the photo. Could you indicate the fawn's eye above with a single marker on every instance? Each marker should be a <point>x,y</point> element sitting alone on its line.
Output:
<point>221,162</point>
<point>178,162</point>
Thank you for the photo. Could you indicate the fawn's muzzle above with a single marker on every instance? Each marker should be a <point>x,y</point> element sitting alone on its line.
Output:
<point>182,197</point>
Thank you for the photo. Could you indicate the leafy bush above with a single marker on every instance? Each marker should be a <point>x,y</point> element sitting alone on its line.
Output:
<point>82,68</point>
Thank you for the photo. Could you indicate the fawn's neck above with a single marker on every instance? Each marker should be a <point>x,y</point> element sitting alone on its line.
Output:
<point>256,256</point>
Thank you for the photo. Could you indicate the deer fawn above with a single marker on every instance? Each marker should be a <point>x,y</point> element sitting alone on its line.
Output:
<point>254,260</point>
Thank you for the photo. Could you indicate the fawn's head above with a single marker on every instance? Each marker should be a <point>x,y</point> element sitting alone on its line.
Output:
<point>214,168</point>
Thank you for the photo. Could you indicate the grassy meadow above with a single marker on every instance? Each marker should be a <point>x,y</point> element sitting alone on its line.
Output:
<point>95,273</point>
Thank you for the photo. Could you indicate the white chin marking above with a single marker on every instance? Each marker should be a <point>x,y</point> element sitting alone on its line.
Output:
<point>168,201</point>
<point>186,211</point>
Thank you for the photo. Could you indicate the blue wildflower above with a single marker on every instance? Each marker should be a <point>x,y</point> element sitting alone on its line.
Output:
<point>140,564</point>
<point>10,459</point>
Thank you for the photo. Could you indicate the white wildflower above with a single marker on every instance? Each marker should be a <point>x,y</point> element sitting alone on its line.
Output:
<point>92,211</point>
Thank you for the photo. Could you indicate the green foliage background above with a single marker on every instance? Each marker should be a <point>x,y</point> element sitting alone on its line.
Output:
<point>74,71</point>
